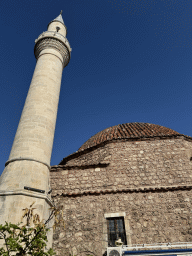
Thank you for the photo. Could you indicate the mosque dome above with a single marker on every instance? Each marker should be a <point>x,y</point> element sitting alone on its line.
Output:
<point>128,131</point>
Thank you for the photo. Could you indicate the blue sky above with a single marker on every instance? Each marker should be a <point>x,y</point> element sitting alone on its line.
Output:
<point>131,62</point>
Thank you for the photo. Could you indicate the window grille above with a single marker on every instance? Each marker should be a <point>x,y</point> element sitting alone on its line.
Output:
<point>116,230</point>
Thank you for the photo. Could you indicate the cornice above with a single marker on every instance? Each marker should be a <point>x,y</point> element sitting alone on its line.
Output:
<point>125,190</point>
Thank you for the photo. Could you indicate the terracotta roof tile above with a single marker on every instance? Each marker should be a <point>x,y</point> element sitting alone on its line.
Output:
<point>137,189</point>
<point>128,130</point>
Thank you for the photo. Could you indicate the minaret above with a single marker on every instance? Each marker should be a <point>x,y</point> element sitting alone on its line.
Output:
<point>25,178</point>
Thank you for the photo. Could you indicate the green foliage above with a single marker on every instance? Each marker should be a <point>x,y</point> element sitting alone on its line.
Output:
<point>22,240</point>
<point>28,239</point>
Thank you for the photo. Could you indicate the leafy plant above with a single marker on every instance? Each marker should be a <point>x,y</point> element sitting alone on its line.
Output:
<point>30,238</point>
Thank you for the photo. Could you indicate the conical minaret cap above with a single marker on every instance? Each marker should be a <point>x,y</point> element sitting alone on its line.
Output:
<point>59,18</point>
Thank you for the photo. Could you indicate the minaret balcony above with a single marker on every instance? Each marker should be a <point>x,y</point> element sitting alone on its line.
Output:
<point>53,39</point>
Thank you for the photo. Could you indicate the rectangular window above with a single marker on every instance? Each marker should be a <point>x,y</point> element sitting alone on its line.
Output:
<point>116,230</point>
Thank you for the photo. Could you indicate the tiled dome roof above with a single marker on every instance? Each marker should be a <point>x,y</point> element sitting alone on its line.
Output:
<point>128,131</point>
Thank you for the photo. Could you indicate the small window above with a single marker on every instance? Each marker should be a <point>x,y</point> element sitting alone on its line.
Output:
<point>58,28</point>
<point>116,230</point>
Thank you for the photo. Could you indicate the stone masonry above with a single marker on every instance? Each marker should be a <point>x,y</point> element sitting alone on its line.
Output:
<point>29,160</point>
<point>153,217</point>
<point>146,180</point>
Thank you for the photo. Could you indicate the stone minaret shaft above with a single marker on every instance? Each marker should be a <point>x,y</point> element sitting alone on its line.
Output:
<point>29,160</point>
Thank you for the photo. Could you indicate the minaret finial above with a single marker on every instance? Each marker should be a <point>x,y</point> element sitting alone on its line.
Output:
<point>59,18</point>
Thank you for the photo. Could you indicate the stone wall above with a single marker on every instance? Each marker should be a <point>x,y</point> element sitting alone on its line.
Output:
<point>152,216</point>
<point>150,181</point>
<point>122,165</point>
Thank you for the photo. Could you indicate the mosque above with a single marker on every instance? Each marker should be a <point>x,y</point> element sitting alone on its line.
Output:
<point>131,181</point>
